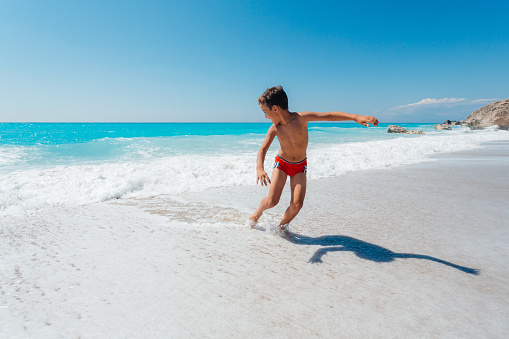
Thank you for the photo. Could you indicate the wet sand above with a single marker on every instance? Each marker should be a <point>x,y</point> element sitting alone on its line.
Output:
<point>415,251</point>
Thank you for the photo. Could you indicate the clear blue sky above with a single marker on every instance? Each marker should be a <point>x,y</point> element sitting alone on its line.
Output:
<point>210,60</point>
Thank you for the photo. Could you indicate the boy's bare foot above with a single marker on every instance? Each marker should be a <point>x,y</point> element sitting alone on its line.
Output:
<point>283,230</point>
<point>250,223</point>
<point>253,219</point>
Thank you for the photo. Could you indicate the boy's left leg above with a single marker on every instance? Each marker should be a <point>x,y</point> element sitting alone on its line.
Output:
<point>298,186</point>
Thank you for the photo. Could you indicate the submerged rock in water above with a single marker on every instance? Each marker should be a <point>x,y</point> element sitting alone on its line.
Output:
<point>441,127</point>
<point>496,113</point>
<point>402,130</point>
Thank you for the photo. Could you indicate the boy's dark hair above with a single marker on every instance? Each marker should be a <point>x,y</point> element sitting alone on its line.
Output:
<point>274,96</point>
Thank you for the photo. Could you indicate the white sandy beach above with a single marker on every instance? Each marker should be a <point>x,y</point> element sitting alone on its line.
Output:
<point>411,252</point>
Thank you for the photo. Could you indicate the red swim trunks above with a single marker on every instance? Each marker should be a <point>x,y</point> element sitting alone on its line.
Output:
<point>291,168</point>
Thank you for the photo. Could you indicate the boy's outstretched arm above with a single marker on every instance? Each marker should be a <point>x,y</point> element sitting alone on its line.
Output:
<point>364,120</point>
<point>261,175</point>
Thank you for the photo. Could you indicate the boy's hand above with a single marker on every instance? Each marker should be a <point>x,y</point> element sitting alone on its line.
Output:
<point>365,120</point>
<point>262,177</point>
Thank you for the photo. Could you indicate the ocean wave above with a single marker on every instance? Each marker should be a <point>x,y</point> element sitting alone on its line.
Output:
<point>379,154</point>
<point>29,190</point>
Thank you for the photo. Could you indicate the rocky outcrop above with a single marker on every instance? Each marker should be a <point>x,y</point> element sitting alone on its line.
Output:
<point>395,129</point>
<point>452,123</point>
<point>402,130</point>
<point>448,123</point>
<point>496,113</point>
<point>441,127</point>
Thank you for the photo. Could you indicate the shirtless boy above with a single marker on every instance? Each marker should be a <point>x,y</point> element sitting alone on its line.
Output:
<point>291,129</point>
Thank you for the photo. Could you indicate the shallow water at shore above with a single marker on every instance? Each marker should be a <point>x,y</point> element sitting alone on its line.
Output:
<point>77,167</point>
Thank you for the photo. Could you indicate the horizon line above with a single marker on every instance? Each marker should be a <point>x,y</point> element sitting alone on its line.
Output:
<point>190,122</point>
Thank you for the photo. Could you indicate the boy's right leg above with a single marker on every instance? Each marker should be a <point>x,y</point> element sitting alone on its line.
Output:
<point>278,182</point>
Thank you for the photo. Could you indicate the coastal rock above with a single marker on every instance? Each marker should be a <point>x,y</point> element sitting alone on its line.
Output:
<point>396,129</point>
<point>415,132</point>
<point>455,123</point>
<point>441,127</point>
<point>452,123</point>
<point>402,130</point>
<point>496,113</point>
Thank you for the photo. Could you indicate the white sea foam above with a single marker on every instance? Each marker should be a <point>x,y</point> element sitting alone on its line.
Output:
<point>11,154</point>
<point>26,191</point>
<point>338,159</point>
<point>31,190</point>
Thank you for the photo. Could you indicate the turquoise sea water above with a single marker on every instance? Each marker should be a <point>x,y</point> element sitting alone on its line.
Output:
<point>40,144</point>
<point>53,164</point>
<point>64,133</point>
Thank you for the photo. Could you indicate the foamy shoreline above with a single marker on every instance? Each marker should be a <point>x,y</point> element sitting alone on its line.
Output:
<point>38,177</point>
<point>379,253</point>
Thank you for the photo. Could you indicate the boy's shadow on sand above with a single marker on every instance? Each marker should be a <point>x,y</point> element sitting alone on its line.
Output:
<point>361,249</point>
